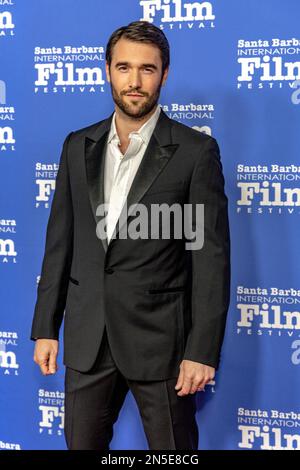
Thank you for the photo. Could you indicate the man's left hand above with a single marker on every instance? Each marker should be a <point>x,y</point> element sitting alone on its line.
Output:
<point>193,376</point>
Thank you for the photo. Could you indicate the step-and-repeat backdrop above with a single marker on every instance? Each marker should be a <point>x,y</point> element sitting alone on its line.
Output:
<point>235,74</point>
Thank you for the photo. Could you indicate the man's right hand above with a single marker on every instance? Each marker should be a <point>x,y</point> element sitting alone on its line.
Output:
<point>45,355</point>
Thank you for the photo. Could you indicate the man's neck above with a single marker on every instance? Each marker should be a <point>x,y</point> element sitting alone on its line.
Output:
<point>125,124</point>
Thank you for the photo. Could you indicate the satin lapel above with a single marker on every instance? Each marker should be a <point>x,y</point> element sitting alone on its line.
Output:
<point>94,159</point>
<point>158,153</point>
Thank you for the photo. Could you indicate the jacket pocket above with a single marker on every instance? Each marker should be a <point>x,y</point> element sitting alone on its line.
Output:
<point>74,281</point>
<point>166,289</point>
<point>160,188</point>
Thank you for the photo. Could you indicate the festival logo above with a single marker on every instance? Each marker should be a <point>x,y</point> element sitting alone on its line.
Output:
<point>9,446</point>
<point>192,112</point>
<point>176,14</point>
<point>69,69</point>
<point>7,26</point>
<point>8,253</point>
<point>45,179</point>
<point>8,357</point>
<point>268,64</point>
<point>7,113</point>
<point>268,429</point>
<point>52,412</point>
<point>272,313</point>
<point>268,189</point>
<point>268,311</point>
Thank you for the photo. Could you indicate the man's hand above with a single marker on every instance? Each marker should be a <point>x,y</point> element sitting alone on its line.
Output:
<point>193,376</point>
<point>45,354</point>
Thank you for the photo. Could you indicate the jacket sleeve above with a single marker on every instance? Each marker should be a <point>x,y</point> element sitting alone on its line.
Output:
<point>53,285</point>
<point>210,292</point>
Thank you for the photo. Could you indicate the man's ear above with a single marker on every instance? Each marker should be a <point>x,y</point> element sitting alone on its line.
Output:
<point>107,72</point>
<point>165,75</point>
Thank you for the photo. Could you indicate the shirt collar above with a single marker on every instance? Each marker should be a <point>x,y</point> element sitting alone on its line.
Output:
<point>144,132</point>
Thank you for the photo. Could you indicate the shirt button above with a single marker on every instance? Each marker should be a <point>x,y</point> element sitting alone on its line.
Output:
<point>109,270</point>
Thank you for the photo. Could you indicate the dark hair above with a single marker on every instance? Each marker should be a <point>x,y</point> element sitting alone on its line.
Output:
<point>141,31</point>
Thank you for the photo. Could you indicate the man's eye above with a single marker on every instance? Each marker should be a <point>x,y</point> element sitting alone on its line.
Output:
<point>123,67</point>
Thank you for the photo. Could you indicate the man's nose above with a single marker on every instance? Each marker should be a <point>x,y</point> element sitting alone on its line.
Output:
<point>135,79</point>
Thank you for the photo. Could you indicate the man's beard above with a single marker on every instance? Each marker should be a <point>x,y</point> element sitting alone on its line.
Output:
<point>136,111</point>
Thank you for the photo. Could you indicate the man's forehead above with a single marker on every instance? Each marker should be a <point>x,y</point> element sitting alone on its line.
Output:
<point>125,50</point>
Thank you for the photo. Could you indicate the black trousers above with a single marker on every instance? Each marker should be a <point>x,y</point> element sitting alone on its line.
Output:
<point>94,399</point>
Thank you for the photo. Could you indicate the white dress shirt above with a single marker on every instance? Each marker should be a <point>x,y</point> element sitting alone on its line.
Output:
<point>119,169</point>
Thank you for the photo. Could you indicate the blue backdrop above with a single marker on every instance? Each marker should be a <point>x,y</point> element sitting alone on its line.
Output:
<point>235,74</point>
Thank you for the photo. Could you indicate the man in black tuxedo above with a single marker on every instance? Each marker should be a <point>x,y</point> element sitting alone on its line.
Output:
<point>145,314</point>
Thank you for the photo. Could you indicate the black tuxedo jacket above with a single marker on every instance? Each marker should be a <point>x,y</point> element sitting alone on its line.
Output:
<point>160,302</point>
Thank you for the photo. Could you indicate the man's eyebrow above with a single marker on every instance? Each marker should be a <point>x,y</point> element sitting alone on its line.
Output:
<point>152,66</point>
